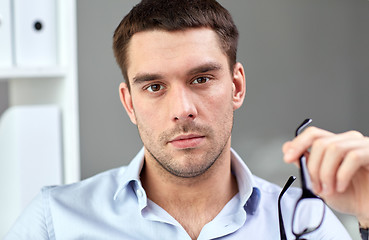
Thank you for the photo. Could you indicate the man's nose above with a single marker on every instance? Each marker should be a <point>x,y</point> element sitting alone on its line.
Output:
<point>182,105</point>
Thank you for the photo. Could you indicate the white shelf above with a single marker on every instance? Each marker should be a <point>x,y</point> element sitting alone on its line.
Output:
<point>49,72</point>
<point>56,85</point>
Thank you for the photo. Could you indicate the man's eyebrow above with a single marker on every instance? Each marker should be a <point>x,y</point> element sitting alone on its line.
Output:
<point>207,67</point>
<point>203,68</point>
<point>145,77</point>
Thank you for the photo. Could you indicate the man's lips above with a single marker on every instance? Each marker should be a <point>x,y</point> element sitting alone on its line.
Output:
<point>187,141</point>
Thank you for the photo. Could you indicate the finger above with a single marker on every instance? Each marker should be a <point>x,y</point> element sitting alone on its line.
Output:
<point>294,149</point>
<point>355,159</point>
<point>333,157</point>
<point>286,146</point>
<point>327,154</point>
<point>315,161</point>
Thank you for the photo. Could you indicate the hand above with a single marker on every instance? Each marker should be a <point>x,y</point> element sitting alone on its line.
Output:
<point>339,168</point>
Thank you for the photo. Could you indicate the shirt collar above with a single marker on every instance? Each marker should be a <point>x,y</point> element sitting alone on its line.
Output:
<point>243,176</point>
<point>131,173</point>
<point>249,195</point>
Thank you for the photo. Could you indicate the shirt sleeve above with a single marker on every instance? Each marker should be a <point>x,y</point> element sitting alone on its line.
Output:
<point>31,224</point>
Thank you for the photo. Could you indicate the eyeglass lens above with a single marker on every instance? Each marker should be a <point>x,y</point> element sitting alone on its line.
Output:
<point>308,215</point>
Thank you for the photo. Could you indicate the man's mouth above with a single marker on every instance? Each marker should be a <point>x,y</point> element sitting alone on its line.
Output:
<point>187,141</point>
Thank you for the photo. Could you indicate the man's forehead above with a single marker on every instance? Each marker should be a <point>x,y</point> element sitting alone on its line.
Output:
<point>167,39</point>
<point>150,47</point>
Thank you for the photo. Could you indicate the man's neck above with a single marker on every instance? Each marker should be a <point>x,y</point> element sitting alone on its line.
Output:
<point>193,202</point>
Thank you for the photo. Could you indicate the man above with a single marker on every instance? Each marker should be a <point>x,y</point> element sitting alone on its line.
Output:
<point>182,86</point>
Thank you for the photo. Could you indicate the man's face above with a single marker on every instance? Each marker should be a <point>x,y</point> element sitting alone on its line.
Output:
<point>182,98</point>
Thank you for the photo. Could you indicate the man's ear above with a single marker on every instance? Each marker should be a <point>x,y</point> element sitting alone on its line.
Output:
<point>126,99</point>
<point>239,85</point>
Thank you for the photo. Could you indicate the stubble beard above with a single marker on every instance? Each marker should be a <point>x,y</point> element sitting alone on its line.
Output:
<point>192,164</point>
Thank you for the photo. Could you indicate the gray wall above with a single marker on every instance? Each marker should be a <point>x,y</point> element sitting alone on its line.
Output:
<point>108,139</point>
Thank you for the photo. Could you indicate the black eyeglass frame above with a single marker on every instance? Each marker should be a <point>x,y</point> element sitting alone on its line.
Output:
<point>306,193</point>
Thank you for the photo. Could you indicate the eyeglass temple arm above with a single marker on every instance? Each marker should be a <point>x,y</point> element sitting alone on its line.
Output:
<point>302,159</point>
<point>302,172</point>
<point>282,230</point>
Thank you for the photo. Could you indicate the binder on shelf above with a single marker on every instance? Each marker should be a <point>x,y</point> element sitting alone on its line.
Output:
<point>6,53</point>
<point>35,33</point>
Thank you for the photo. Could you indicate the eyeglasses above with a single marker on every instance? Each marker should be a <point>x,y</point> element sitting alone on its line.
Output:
<point>309,210</point>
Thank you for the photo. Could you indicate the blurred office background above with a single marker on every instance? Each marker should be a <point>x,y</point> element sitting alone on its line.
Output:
<point>303,58</point>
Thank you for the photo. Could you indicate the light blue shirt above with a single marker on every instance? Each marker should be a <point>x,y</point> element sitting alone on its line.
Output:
<point>113,205</point>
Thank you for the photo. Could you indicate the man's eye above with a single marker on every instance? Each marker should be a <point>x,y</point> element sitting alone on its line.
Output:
<point>154,87</point>
<point>200,80</point>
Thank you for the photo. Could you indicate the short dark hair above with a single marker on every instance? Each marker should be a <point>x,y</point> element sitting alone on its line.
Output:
<point>175,15</point>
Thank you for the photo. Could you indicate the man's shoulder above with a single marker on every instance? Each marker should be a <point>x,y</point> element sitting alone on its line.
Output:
<point>104,182</point>
<point>272,189</point>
